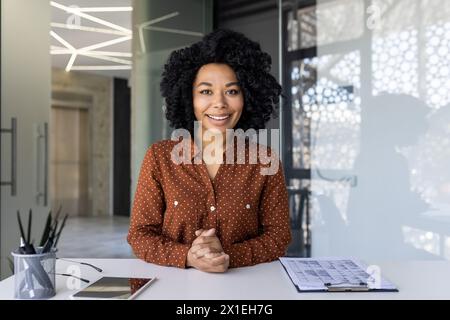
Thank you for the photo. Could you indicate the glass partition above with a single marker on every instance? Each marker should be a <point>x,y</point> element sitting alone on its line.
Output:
<point>159,28</point>
<point>367,123</point>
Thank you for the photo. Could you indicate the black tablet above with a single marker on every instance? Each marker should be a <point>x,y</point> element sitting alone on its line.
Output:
<point>120,288</point>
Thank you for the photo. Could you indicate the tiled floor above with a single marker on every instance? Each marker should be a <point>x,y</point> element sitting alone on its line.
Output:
<point>95,237</point>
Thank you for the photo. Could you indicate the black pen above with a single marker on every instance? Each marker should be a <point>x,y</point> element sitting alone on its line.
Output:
<point>29,249</point>
<point>29,227</point>
<point>22,246</point>
<point>48,245</point>
<point>60,230</point>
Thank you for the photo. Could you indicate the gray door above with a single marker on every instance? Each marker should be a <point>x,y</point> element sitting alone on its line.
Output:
<point>25,97</point>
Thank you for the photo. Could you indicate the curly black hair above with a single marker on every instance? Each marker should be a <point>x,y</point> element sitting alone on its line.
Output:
<point>250,64</point>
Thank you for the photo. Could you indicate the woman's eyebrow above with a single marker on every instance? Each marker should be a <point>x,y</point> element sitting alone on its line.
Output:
<point>229,84</point>
<point>204,84</point>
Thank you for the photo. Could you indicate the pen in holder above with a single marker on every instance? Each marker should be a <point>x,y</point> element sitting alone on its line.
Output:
<point>34,274</point>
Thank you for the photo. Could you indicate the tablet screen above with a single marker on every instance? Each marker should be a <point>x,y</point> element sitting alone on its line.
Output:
<point>113,288</point>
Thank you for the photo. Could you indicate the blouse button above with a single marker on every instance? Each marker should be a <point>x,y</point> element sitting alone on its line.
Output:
<point>247,206</point>
<point>212,208</point>
<point>175,203</point>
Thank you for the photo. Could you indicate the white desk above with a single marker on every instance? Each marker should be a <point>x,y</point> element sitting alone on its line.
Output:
<point>269,281</point>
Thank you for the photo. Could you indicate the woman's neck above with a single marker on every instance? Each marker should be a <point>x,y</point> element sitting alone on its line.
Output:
<point>208,139</point>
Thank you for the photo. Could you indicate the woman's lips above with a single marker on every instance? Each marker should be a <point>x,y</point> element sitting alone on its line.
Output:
<point>222,119</point>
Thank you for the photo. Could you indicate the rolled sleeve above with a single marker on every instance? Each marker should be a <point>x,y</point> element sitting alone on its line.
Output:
<point>145,234</point>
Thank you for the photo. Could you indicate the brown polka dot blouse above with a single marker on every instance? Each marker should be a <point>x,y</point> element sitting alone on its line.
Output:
<point>249,210</point>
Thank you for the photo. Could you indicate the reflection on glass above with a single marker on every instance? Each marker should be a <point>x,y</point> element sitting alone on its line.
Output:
<point>329,108</point>
<point>438,64</point>
<point>421,239</point>
<point>428,159</point>
<point>303,79</point>
<point>393,132</point>
<point>299,217</point>
<point>304,27</point>
<point>395,63</point>
<point>339,21</point>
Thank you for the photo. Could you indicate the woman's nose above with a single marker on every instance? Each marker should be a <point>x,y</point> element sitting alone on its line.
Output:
<point>219,101</point>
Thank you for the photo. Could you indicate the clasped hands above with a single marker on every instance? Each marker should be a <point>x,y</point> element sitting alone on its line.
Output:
<point>206,253</point>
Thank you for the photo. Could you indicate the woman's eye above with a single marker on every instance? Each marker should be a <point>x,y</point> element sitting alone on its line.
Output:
<point>233,92</point>
<point>206,91</point>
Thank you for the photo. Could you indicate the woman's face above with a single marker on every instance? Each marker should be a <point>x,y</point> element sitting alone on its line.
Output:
<point>217,97</point>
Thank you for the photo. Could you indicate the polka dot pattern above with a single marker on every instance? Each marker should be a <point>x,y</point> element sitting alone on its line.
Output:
<point>249,210</point>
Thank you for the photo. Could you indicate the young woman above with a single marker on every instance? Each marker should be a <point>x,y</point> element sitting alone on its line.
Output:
<point>212,215</point>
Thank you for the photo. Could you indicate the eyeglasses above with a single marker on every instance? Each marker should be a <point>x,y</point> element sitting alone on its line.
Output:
<point>71,275</point>
<point>84,263</point>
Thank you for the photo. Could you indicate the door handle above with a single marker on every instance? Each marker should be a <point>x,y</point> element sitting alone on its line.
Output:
<point>43,136</point>
<point>13,132</point>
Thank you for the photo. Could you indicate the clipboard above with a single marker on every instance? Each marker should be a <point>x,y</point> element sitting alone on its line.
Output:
<point>343,286</point>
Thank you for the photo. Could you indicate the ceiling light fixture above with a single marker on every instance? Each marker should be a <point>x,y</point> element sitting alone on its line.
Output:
<point>105,9</point>
<point>177,31</point>
<point>88,68</point>
<point>91,51</point>
<point>89,17</point>
<point>149,26</point>
<point>150,22</point>
<point>105,44</point>
<point>59,51</point>
<point>62,41</point>
<point>88,29</point>
<point>71,62</point>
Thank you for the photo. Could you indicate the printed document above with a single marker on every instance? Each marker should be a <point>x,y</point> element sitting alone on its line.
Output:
<point>317,274</point>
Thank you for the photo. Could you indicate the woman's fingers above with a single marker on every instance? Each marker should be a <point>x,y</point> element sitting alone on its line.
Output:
<point>205,240</point>
<point>209,233</point>
<point>212,262</point>
<point>211,255</point>
<point>201,252</point>
<point>208,253</point>
<point>199,246</point>
<point>201,249</point>
<point>222,259</point>
<point>216,264</point>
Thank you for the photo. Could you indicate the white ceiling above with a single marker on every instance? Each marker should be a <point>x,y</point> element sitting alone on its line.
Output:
<point>79,38</point>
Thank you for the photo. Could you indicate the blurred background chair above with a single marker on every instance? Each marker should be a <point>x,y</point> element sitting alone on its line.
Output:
<point>300,222</point>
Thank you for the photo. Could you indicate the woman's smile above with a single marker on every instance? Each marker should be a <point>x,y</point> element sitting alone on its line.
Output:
<point>218,120</point>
